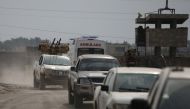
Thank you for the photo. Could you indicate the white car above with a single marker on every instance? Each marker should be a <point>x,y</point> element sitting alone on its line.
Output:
<point>51,70</point>
<point>122,84</point>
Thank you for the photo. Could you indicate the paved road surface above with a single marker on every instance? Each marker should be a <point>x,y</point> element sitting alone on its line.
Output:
<point>29,98</point>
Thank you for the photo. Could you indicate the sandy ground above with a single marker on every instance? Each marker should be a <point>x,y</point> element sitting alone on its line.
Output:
<point>18,97</point>
<point>17,92</point>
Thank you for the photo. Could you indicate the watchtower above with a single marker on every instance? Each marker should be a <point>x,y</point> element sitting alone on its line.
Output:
<point>160,36</point>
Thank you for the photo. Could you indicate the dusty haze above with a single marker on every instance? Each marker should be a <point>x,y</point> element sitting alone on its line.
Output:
<point>17,68</point>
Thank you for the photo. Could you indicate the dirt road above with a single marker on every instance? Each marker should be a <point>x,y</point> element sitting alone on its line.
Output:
<point>29,98</point>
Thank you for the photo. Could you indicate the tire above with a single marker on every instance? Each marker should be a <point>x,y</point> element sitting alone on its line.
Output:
<point>42,82</point>
<point>95,105</point>
<point>70,96</point>
<point>35,82</point>
<point>77,100</point>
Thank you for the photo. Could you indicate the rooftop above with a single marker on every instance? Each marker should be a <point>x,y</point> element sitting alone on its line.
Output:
<point>164,18</point>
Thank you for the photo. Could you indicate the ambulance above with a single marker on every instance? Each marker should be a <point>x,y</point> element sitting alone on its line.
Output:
<point>85,45</point>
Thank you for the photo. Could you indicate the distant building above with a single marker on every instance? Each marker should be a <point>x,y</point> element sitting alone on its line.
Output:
<point>159,37</point>
<point>118,50</point>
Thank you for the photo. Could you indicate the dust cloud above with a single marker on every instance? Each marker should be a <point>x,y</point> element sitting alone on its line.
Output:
<point>16,75</point>
<point>16,68</point>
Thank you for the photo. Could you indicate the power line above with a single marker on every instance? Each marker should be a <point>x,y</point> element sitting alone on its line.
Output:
<point>67,11</point>
<point>81,18</point>
<point>36,29</point>
<point>61,32</point>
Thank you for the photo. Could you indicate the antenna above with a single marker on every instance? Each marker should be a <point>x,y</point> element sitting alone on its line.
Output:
<point>52,43</point>
<point>166,8</point>
<point>166,5</point>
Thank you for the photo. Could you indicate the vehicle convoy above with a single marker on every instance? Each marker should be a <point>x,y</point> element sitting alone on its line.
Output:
<point>171,91</point>
<point>122,84</point>
<point>51,70</point>
<point>88,73</point>
<point>85,45</point>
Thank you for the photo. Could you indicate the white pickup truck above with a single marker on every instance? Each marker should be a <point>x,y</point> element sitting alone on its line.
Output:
<point>51,70</point>
<point>89,72</point>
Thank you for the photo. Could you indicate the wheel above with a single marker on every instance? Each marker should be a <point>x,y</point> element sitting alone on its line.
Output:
<point>35,82</point>
<point>95,105</point>
<point>42,82</point>
<point>77,99</point>
<point>70,96</point>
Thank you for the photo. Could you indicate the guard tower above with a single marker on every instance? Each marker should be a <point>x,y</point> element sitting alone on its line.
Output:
<point>160,36</point>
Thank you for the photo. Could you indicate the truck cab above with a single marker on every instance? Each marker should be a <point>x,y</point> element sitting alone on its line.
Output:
<point>88,73</point>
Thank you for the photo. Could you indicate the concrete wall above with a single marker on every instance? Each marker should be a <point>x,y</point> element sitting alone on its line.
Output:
<point>153,61</point>
<point>167,37</point>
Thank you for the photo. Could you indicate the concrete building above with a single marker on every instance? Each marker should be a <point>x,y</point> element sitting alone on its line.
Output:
<point>160,36</point>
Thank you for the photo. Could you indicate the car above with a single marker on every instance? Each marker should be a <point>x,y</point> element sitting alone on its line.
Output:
<point>89,72</point>
<point>122,84</point>
<point>51,70</point>
<point>171,91</point>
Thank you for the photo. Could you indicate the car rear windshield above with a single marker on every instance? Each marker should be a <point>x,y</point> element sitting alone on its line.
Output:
<point>126,82</point>
<point>97,64</point>
<point>56,60</point>
<point>176,94</point>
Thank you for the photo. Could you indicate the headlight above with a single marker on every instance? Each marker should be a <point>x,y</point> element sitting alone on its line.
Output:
<point>120,106</point>
<point>84,81</point>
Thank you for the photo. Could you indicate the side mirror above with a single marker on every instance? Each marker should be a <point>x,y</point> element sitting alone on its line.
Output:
<point>104,88</point>
<point>73,69</point>
<point>139,104</point>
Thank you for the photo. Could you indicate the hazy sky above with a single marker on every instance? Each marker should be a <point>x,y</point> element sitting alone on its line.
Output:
<point>111,20</point>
